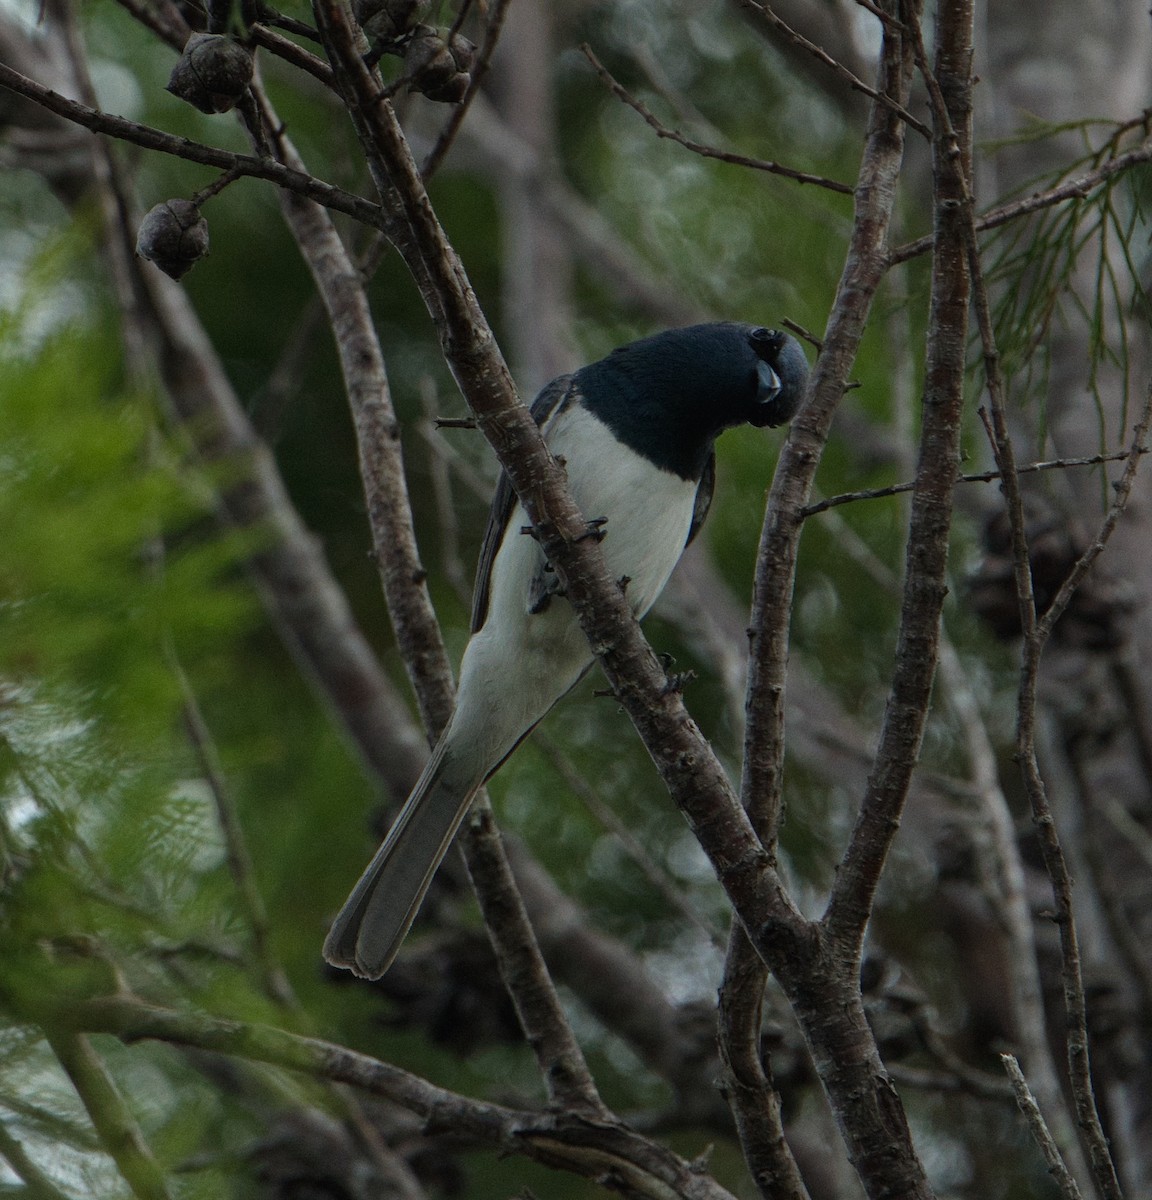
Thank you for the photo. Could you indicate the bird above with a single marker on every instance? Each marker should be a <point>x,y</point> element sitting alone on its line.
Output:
<point>635,432</point>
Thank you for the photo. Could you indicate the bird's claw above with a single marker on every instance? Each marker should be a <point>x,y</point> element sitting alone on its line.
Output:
<point>594,529</point>
<point>675,681</point>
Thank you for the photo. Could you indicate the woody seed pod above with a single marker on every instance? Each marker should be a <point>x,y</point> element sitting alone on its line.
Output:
<point>463,52</point>
<point>212,74</point>
<point>174,236</point>
<point>436,67</point>
<point>389,19</point>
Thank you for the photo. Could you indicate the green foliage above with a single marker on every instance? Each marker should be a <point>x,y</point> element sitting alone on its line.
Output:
<point>113,859</point>
<point>1075,263</point>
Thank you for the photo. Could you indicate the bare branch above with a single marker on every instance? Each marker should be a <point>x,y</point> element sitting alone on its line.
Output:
<point>604,1150</point>
<point>740,160</point>
<point>748,1088</point>
<point>864,269</point>
<point>897,489</point>
<point>1035,1118</point>
<point>1077,188</point>
<point>110,1116</point>
<point>1036,631</point>
<point>777,23</point>
<point>925,586</point>
<point>240,866</point>
<point>150,138</point>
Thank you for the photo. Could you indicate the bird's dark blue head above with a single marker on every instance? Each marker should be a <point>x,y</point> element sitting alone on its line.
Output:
<point>668,396</point>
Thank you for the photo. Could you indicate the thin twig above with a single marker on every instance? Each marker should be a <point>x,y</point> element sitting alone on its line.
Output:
<point>440,476</point>
<point>118,1130</point>
<point>150,138</point>
<point>897,489</point>
<point>674,135</point>
<point>1035,634</point>
<point>451,128</point>
<point>1123,492</point>
<point>240,866</point>
<point>37,1185</point>
<point>1073,189</point>
<point>656,875</point>
<point>944,1082</point>
<point>1040,1133</point>
<point>164,20</point>
<point>1008,892</point>
<point>821,55</point>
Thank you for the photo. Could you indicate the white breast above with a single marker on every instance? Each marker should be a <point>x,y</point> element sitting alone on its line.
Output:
<point>520,663</point>
<point>648,511</point>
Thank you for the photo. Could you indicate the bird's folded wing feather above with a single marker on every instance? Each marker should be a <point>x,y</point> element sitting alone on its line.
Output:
<point>551,401</point>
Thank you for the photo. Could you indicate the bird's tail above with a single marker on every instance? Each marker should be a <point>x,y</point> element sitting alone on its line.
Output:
<point>376,917</point>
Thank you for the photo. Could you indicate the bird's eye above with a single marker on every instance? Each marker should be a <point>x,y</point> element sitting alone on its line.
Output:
<point>767,343</point>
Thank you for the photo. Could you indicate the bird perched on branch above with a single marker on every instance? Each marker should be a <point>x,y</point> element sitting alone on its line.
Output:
<point>636,434</point>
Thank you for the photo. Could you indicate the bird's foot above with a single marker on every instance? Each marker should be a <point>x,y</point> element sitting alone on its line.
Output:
<point>675,681</point>
<point>594,529</point>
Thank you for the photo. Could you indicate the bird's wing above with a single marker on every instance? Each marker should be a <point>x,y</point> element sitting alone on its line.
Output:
<point>703,497</point>
<point>550,401</point>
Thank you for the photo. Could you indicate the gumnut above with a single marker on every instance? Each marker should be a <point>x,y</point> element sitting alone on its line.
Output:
<point>389,20</point>
<point>174,236</point>
<point>213,73</point>
<point>439,68</point>
<point>463,52</point>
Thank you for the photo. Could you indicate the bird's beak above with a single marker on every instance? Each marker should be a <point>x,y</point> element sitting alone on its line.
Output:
<point>768,392</point>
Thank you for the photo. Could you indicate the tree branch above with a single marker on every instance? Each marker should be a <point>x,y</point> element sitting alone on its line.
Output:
<point>1036,631</point>
<point>774,21</point>
<point>748,1088</point>
<point>603,1150</point>
<point>149,138</point>
<point>909,699</point>
<point>111,1119</point>
<point>1078,188</point>
<point>727,156</point>
<point>418,636</point>
<point>1040,1134</point>
<point>897,489</point>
